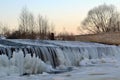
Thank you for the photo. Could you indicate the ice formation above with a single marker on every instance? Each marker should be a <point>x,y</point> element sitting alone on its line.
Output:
<point>34,57</point>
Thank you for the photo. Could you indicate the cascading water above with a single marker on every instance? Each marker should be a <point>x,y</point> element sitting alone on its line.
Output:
<point>34,56</point>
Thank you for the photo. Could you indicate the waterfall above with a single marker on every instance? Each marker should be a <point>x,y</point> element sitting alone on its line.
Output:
<point>29,56</point>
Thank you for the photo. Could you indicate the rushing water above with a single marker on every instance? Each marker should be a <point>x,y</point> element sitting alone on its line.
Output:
<point>35,56</point>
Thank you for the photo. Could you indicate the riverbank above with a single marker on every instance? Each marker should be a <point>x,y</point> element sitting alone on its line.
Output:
<point>112,38</point>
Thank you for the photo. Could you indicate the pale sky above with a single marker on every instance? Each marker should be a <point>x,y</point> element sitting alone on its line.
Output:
<point>63,13</point>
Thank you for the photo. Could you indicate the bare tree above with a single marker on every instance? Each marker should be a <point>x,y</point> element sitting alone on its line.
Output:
<point>103,18</point>
<point>31,23</point>
<point>43,27</point>
<point>40,23</point>
<point>29,27</point>
<point>24,17</point>
<point>26,23</point>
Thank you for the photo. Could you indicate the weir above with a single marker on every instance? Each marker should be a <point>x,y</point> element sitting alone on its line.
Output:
<point>38,56</point>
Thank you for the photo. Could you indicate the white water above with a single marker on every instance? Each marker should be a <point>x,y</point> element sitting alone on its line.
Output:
<point>95,62</point>
<point>32,65</point>
<point>93,69</point>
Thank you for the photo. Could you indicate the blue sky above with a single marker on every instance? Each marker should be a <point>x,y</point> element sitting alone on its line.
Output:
<point>63,13</point>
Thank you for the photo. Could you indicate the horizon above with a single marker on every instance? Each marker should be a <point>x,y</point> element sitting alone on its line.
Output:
<point>66,14</point>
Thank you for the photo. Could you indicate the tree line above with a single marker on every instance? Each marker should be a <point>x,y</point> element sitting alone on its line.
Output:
<point>30,27</point>
<point>100,19</point>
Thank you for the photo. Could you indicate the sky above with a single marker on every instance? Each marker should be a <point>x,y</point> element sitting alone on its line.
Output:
<point>65,14</point>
